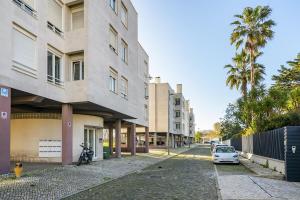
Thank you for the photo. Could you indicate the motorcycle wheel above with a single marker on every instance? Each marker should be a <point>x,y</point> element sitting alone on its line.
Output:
<point>79,161</point>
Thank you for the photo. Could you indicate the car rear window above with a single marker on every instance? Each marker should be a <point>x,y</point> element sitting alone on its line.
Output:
<point>225,150</point>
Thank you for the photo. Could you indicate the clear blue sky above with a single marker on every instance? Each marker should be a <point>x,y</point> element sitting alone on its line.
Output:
<point>188,43</point>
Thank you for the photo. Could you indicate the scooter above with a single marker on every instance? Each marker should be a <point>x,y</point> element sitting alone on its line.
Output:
<point>86,155</point>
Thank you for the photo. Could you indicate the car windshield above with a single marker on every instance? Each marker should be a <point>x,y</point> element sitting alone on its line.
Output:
<point>225,150</point>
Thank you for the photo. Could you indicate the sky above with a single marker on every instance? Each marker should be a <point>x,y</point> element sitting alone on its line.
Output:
<point>188,43</point>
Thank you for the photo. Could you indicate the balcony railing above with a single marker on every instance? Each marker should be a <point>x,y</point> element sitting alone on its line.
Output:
<point>25,7</point>
<point>55,81</point>
<point>55,29</point>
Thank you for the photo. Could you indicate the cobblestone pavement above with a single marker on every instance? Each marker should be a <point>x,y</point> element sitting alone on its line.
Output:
<point>55,183</point>
<point>190,175</point>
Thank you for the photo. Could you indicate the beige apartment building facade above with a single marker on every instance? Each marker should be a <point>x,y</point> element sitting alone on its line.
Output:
<point>169,116</point>
<point>70,69</point>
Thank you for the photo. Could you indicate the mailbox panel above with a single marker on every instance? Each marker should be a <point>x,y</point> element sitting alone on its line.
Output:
<point>292,153</point>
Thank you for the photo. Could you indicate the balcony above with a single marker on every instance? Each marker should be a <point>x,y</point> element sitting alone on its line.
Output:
<point>27,8</point>
<point>54,29</point>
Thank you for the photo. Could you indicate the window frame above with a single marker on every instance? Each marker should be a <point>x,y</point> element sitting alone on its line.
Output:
<point>79,9</point>
<point>53,27</point>
<point>60,81</point>
<point>22,67</point>
<point>115,9</point>
<point>81,67</point>
<point>113,31</point>
<point>124,94</point>
<point>176,112</point>
<point>178,126</point>
<point>124,50</point>
<point>113,75</point>
<point>124,8</point>
<point>176,101</point>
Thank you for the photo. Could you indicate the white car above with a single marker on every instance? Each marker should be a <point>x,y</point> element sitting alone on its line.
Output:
<point>225,154</point>
<point>217,145</point>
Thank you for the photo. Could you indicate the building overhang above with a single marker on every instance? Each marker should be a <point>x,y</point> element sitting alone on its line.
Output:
<point>23,102</point>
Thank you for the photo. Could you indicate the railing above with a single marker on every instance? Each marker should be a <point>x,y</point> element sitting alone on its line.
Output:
<point>55,81</point>
<point>55,29</point>
<point>25,7</point>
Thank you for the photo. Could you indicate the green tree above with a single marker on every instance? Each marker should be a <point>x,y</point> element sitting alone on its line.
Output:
<point>252,30</point>
<point>238,73</point>
<point>289,77</point>
<point>198,136</point>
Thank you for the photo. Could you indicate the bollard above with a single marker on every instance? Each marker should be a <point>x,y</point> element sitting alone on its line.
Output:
<point>18,169</point>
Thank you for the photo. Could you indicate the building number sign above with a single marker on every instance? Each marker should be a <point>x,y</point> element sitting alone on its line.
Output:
<point>4,92</point>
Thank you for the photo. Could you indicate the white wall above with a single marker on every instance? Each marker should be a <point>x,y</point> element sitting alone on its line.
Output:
<point>26,134</point>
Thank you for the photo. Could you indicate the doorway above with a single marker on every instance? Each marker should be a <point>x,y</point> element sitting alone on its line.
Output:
<point>90,140</point>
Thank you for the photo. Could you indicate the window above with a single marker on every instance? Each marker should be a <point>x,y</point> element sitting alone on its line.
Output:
<point>55,16</point>
<point>124,15</point>
<point>113,39</point>
<point>54,69</point>
<point>146,91</point>
<point>177,126</point>
<point>146,112</point>
<point>78,70</point>
<point>124,87</point>
<point>77,18</point>
<point>177,101</point>
<point>124,51</point>
<point>27,6</point>
<point>113,5</point>
<point>24,51</point>
<point>113,79</point>
<point>177,113</point>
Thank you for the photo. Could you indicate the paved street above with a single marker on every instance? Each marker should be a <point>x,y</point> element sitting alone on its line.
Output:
<point>190,175</point>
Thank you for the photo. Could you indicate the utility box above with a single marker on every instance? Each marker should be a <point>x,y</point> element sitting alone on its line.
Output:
<point>292,153</point>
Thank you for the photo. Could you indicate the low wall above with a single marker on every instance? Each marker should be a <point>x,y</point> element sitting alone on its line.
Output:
<point>274,164</point>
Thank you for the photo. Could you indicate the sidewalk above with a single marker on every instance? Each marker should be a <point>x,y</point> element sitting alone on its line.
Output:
<point>260,170</point>
<point>58,182</point>
<point>257,186</point>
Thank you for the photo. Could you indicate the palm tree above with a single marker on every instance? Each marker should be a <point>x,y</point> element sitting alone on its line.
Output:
<point>252,30</point>
<point>238,75</point>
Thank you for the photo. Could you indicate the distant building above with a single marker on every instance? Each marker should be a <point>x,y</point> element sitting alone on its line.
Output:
<point>170,116</point>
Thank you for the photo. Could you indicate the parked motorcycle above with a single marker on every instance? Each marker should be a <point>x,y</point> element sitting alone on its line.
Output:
<point>86,155</point>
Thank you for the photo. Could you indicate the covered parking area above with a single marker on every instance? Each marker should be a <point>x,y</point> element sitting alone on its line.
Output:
<point>35,129</point>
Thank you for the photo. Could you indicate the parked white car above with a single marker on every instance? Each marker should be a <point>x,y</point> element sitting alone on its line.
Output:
<point>217,145</point>
<point>225,154</point>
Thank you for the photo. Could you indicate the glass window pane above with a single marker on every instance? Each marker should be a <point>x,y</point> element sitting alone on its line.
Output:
<point>57,70</point>
<point>76,71</point>
<point>50,67</point>
<point>82,71</point>
<point>77,20</point>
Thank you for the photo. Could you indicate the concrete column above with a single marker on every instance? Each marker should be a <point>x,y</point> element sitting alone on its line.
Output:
<point>5,111</point>
<point>67,134</point>
<point>128,138</point>
<point>146,140</point>
<point>133,139</point>
<point>155,139</point>
<point>111,140</point>
<point>118,139</point>
<point>172,141</point>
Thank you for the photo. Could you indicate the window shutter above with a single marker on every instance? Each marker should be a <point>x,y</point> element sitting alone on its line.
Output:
<point>55,13</point>
<point>24,52</point>
<point>77,20</point>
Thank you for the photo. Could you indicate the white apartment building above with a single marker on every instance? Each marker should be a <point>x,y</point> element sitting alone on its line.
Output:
<point>169,116</point>
<point>69,70</point>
